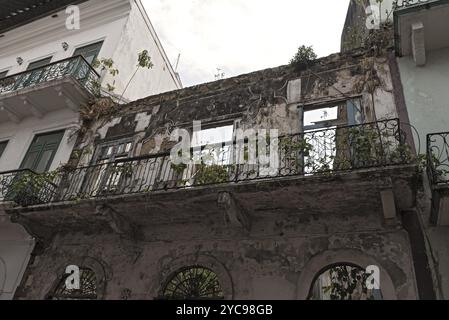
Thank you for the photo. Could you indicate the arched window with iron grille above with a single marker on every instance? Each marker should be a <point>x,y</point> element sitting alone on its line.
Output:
<point>193,283</point>
<point>87,290</point>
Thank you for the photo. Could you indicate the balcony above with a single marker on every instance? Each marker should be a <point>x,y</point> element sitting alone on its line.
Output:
<point>318,173</point>
<point>403,4</point>
<point>438,173</point>
<point>320,152</point>
<point>63,84</point>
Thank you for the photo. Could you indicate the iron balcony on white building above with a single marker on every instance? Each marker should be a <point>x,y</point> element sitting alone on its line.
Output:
<point>46,75</point>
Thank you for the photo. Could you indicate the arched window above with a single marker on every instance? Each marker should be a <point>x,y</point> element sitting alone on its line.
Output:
<point>194,283</point>
<point>87,290</point>
<point>343,282</point>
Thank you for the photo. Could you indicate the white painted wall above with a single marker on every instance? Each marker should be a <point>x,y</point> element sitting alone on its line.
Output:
<point>44,37</point>
<point>138,35</point>
<point>20,136</point>
<point>426,94</point>
<point>41,39</point>
<point>125,30</point>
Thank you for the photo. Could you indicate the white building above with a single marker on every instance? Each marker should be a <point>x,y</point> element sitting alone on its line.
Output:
<point>46,75</point>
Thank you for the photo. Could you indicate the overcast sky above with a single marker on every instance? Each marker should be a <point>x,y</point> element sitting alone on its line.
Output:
<point>240,36</point>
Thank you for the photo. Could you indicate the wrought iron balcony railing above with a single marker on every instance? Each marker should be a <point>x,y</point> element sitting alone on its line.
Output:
<point>369,145</point>
<point>438,158</point>
<point>402,4</point>
<point>26,187</point>
<point>76,67</point>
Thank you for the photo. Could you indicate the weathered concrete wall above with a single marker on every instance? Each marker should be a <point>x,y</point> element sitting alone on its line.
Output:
<point>438,237</point>
<point>295,228</point>
<point>256,100</point>
<point>250,266</point>
<point>15,250</point>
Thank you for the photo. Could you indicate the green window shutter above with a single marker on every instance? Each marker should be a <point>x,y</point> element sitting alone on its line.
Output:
<point>42,151</point>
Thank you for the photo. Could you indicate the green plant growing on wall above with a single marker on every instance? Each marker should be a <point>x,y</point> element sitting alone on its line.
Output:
<point>178,169</point>
<point>106,64</point>
<point>98,109</point>
<point>296,152</point>
<point>303,57</point>
<point>28,188</point>
<point>403,154</point>
<point>104,107</point>
<point>440,169</point>
<point>211,174</point>
<point>209,171</point>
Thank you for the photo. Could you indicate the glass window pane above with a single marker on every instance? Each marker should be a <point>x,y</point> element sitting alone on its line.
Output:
<point>109,153</point>
<point>30,159</point>
<point>44,161</point>
<point>39,63</point>
<point>90,52</point>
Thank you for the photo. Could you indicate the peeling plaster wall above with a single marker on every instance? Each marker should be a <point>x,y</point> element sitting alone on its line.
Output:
<point>257,100</point>
<point>254,267</point>
<point>135,257</point>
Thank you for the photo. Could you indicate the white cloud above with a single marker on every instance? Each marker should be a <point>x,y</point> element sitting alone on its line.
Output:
<point>241,36</point>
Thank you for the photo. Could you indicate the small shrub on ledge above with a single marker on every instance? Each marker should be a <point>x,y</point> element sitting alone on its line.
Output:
<point>303,58</point>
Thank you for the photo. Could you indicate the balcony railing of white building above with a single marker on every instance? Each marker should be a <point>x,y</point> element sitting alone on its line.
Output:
<point>75,67</point>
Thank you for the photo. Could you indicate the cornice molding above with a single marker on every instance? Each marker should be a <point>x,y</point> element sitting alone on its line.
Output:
<point>93,14</point>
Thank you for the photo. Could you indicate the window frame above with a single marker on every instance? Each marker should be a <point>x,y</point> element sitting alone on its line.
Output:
<point>55,150</point>
<point>332,123</point>
<point>84,46</point>
<point>47,60</point>
<point>4,74</point>
<point>3,145</point>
